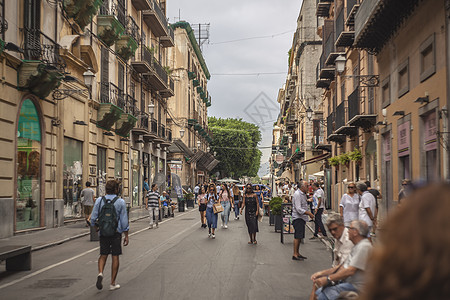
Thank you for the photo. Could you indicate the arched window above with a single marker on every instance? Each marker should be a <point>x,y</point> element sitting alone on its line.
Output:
<point>28,198</point>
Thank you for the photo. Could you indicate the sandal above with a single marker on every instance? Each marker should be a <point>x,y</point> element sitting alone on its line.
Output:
<point>250,243</point>
<point>255,242</point>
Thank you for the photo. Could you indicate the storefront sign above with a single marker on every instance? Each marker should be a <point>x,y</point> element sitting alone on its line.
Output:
<point>403,133</point>
<point>430,137</point>
<point>387,146</point>
<point>175,167</point>
<point>201,173</point>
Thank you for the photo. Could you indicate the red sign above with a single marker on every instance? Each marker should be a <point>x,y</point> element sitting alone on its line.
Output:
<point>200,173</point>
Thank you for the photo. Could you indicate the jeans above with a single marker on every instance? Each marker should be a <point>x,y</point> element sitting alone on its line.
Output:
<point>195,198</point>
<point>236,209</point>
<point>319,223</point>
<point>153,211</point>
<point>225,215</point>
<point>211,218</point>
<point>332,292</point>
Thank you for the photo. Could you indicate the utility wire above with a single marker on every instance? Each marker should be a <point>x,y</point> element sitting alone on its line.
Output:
<point>248,74</point>
<point>252,38</point>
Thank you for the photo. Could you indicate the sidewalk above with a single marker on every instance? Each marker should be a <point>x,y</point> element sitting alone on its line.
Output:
<point>54,236</point>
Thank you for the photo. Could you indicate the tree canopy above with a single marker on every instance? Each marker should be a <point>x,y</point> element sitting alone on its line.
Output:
<point>230,134</point>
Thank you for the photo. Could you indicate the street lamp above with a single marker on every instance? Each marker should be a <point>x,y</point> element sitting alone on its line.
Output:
<point>208,149</point>
<point>181,132</point>
<point>199,144</point>
<point>151,109</point>
<point>309,113</point>
<point>340,63</point>
<point>88,77</point>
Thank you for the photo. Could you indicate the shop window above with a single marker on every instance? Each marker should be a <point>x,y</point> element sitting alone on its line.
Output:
<point>72,177</point>
<point>28,197</point>
<point>118,165</point>
<point>135,177</point>
<point>427,58</point>
<point>403,78</point>
<point>101,171</point>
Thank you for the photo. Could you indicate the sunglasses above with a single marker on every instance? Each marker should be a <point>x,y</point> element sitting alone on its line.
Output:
<point>352,187</point>
<point>333,229</point>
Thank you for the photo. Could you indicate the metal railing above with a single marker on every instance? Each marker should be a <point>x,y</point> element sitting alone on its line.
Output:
<point>132,29</point>
<point>339,24</point>
<point>154,126</point>
<point>38,46</point>
<point>160,70</point>
<point>328,47</point>
<point>330,120</point>
<point>340,115</point>
<point>160,14</point>
<point>143,121</point>
<point>350,5</point>
<point>114,9</point>
<point>171,33</point>
<point>131,107</point>
<point>110,93</point>
<point>171,84</point>
<point>169,134</point>
<point>353,104</point>
<point>162,131</point>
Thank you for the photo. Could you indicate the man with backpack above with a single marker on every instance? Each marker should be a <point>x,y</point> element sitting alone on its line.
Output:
<point>110,217</point>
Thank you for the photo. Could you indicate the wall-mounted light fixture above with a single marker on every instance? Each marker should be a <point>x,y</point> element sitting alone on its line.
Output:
<point>108,133</point>
<point>399,113</point>
<point>364,80</point>
<point>77,122</point>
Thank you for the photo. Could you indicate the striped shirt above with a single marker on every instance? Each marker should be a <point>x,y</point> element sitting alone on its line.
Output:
<point>153,198</point>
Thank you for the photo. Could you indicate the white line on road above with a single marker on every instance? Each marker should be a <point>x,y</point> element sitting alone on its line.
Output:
<point>84,253</point>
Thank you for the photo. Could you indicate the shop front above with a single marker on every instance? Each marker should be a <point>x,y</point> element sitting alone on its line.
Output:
<point>72,177</point>
<point>28,201</point>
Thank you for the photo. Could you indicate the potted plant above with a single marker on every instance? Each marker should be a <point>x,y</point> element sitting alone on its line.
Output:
<point>344,159</point>
<point>271,204</point>
<point>275,210</point>
<point>355,155</point>
<point>189,197</point>
<point>334,161</point>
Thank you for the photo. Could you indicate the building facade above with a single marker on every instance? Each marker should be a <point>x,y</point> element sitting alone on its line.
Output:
<point>84,98</point>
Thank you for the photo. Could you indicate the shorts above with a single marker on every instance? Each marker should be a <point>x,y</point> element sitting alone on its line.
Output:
<point>202,207</point>
<point>299,227</point>
<point>87,210</point>
<point>111,245</point>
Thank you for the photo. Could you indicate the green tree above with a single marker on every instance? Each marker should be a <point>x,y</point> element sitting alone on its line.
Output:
<point>234,133</point>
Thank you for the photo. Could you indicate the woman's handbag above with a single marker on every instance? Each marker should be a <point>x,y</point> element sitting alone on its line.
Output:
<point>260,214</point>
<point>217,208</point>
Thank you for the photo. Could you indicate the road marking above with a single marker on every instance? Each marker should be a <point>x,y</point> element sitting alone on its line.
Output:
<point>89,251</point>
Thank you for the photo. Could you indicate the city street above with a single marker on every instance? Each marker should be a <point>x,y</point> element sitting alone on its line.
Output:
<point>175,261</point>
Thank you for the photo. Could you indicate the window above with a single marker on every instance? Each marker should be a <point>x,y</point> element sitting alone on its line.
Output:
<point>403,78</point>
<point>72,176</point>
<point>385,92</point>
<point>356,76</point>
<point>118,165</point>
<point>427,58</point>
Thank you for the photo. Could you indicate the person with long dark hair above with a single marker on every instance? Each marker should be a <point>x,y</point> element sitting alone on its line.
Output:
<point>225,200</point>
<point>251,205</point>
<point>211,217</point>
<point>202,199</point>
<point>236,199</point>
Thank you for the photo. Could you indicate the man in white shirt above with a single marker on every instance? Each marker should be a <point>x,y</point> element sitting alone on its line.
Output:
<point>196,190</point>
<point>351,273</point>
<point>319,198</point>
<point>366,205</point>
<point>299,217</point>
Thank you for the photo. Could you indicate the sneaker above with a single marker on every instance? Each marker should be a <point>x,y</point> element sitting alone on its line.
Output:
<point>209,235</point>
<point>222,225</point>
<point>213,236</point>
<point>99,284</point>
<point>225,226</point>
<point>114,287</point>
<point>238,217</point>
<point>151,226</point>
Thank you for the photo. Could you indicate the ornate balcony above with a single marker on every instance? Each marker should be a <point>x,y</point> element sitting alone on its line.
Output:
<point>352,8</point>
<point>169,39</point>
<point>112,105</point>
<point>158,78</point>
<point>81,11</point>
<point>128,43</point>
<point>141,4</point>
<point>156,20</point>
<point>355,116</point>
<point>323,8</point>
<point>341,127</point>
<point>143,61</point>
<point>169,91</point>
<point>142,125</point>
<point>111,23</point>
<point>344,36</point>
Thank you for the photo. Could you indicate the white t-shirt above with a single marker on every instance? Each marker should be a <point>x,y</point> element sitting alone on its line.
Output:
<point>358,259</point>
<point>319,194</point>
<point>350,208</point>
<point>367,201</point>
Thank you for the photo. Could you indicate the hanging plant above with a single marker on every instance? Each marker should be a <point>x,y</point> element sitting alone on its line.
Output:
<point>355,155</point>
<point>334,161</point>
<point>344,159</point>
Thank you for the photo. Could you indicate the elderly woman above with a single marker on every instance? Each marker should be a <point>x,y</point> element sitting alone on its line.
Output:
<point>349,205</point>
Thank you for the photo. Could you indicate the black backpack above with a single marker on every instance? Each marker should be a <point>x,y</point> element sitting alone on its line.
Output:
<point>107,218</point>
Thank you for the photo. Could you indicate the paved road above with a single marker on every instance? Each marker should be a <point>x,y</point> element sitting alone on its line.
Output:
<point>175,261</point>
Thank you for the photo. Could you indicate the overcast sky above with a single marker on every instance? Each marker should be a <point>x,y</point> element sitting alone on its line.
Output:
<point>234,96</point>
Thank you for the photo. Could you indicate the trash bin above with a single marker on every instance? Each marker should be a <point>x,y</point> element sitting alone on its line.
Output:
<point>181,205</point>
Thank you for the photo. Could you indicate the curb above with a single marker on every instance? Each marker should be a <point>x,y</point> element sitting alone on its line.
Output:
<point>74,237</point>
<point>326,243</point>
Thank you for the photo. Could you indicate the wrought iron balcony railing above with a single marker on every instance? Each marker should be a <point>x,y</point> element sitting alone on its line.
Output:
<point>110,93</point>
<point>133,30</point>
<point>117,9</point>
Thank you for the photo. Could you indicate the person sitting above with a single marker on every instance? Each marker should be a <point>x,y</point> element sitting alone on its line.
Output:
<point>350,275</point>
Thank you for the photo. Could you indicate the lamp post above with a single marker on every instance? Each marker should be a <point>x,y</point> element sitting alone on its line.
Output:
<point>309,113</point>
<point>182,133</point>
<point>88,77</point>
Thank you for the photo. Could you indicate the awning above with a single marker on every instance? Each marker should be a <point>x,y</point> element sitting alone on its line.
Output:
<point>286,174</point>
<point>188,152</point>
<point>319,174</point>
<point>315,159</point>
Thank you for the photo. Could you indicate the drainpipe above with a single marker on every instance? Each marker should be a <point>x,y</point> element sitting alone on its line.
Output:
<point>446,119</point>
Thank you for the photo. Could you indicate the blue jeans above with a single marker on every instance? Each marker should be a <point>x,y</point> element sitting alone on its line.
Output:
<point>225,215</point>
<point>236,208</point>
<point>211,217</point>
<point>332,292</point>
<point>319,223</point>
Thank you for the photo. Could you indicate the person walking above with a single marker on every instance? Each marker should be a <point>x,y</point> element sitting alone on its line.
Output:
<point>202,199</point>
<point>319,198</point>
<point>236,199</point>
<point>152,204</point>
<point>211,217</point>
<point>225,200</point>
<point>299,216</point>
<point>145,189</point>
<point>196,191</point>
<point>110,244</point>
<point>251,204</point>
<point>258,193</point>
<point>366,205</point>
<point>349,205</point>
<point>87,195</point>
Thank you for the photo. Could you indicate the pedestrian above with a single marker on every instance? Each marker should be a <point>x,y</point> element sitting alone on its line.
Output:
<point>202,199</point>
<point>414,249</point>
<point>349,205</point>
<point>366,205</point>
<point>405,190</point>
<point>196,191</point>
<point>251,204</point>
<point>236,199</point>
<point>376,193</point>
<point>211,217</point>
<point>258,193</point>
<point>227,203</point>
<point>87,195</point>
<point>319,198</point>
<point>350,275</point>
<point>110,244</point>
<point>152,204</point>
<point>145,189</point>
<point>299,217</point>
<point>342,244</point>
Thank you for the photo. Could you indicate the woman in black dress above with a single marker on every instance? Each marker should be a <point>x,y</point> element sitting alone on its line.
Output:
<point>251,204</point>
